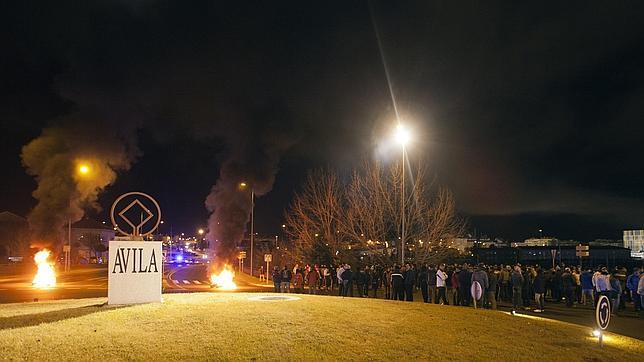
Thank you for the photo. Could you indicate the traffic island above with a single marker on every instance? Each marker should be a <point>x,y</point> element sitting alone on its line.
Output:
<point>236,326</point>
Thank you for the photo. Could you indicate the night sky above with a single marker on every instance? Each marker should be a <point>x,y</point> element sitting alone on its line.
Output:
<point>533,114</point>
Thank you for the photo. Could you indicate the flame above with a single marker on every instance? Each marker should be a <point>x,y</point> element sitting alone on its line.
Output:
<point>45,277</point>
<point>224,280</point>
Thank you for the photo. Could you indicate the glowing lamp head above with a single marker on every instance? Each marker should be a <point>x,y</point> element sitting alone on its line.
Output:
<point>402,134</point>
<point>242,185</point>
<point>83,169</point>
<point>201,231</point>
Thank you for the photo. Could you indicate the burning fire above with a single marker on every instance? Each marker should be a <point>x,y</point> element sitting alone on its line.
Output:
<point>224,280</point>
<point>45,277</point>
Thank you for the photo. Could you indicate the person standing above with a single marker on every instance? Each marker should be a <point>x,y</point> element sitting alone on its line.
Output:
<point>504,279</point>
<point>640,292</point>
<point>277,279</point>
<point>539,290</point>
<point>517,284</point>
<point>568,282</point>
<point>376,280</point>
<point>262,276</point>
<point>602,284</point>
<point>398,284</point>
<point>338,272</point>
<point>586,280</point>
<point>441,282</point>
<point>431,284</point>
<point>631,285</point>
<point>347,281</point>
<point>493,279</point>
<point>312,278</point>
<point>557,285</point>
<point>285,280</point>
<point>456,286</point>
<point>386,281</point>
<point>422,282</point>
<point>298,281</point>
<point>615,292</point>
<point>358,278</point>
<point>576,275</point>
<point>410,281</point>
<point>464,283</point>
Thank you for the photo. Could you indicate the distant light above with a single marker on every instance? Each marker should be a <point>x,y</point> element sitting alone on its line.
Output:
<point>200,231</point>
<point>597,333</point>
<point>179,258</point>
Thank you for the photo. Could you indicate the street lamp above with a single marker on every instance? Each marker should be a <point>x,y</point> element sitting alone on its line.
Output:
<point>83,170</point>
<point>242,185</point>
<point>402,136</point>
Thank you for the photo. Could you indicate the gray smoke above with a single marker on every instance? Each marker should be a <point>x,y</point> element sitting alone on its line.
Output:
<point>55,158</point>
<point>253,160</point>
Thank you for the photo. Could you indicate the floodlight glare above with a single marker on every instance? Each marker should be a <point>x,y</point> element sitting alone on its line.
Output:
<point>402,134</point>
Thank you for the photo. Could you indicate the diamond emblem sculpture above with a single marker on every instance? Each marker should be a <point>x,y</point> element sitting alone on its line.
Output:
<point>137,226</point>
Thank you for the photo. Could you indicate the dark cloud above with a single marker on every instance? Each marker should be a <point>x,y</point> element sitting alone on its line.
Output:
<point>518,107</point>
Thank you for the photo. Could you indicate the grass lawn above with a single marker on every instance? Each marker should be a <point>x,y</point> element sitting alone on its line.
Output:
<point>219,326</point>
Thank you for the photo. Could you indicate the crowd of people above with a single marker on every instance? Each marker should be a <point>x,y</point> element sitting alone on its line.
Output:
<point>524,286</point>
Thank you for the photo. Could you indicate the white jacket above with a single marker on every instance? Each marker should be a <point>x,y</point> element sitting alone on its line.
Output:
<point>441,277</point>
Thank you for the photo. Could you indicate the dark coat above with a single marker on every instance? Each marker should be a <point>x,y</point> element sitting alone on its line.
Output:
<point>465,279</point>
<point>410,277</point>
<point>539,283</point>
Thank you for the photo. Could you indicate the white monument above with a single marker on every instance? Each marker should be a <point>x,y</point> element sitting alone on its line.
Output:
<point>135,268</point>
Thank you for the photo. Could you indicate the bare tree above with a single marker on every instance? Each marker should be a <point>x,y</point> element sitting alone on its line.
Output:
<point>324,220</point>
<point>312,219</point>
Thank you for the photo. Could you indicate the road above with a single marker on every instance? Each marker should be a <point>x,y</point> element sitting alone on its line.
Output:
<point>194,278</point>
<point>90,281</point>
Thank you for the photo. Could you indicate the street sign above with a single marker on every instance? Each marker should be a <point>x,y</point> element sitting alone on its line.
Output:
<point>582,251</point>
<point>242,255</point>
<point>135,269</point>
<point>476,291</point>
<point>602,312</point>
<point>268,258</point>
<point>66,248</point>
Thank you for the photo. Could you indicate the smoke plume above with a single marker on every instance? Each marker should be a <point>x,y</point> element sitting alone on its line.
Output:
<point>72,163</point>
<point>251,166</point>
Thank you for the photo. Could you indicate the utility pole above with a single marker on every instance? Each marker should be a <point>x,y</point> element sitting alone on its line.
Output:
<point>252,227</point>
<point>403,233</point>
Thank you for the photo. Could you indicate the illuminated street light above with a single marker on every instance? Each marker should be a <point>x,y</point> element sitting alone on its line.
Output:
<point>402,135</point>
<point>83,169</point>
<point>200,231</point>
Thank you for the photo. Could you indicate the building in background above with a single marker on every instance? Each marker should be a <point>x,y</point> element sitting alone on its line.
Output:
<point>14,237</point>
<point>634,240</point>
<point>546,256</point>
<point>90,241</point>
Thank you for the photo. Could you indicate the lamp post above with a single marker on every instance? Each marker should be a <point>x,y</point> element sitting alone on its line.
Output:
<point>402,136</point>
<point>252,222</point>
<point>83,170</point>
